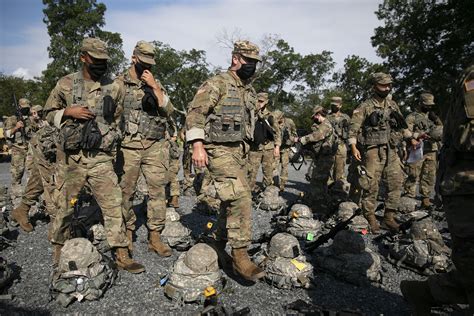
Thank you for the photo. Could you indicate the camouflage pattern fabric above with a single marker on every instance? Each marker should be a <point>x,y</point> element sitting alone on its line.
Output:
<point>154,163</point>
<point>265,158</point>
<point>338,120</point>
<point>423,171</point>
<point>175,234</point>
<point>173,170</point>
<point>270,199</point>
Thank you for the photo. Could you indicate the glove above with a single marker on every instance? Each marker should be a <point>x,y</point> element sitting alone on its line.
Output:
<point>149,101</point>
<point>91,136</point>
<point>109,108</point>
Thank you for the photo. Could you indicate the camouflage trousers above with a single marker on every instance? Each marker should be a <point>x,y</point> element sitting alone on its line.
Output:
<point>318,195</point>
<point>423,171</point>
<point>338,169</point>
<point>266,159</point>
<point>381,161</point>
<point>154,163</point>
<point>457,286</point>
<point>355,192</point>
<point>40,181</point>
<point>284,163</point>
<point>21,161</point>
<point>94,169</point>
<point>228,173</point>
<point>173,177</point>
<point>188,177</point>
<point>207,193</point>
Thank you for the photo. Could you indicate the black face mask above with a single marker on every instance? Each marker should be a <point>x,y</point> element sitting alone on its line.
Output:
<point>96,71</point>
<point>246,71</point>
<point>334,109</point>
<point>424,109</point>
<point>25,111</point>
<point>382,94</point>
<point>140,68</point>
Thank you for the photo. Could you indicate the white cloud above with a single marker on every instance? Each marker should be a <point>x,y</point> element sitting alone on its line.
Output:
<point>22,73</point>
<point>310,26</point>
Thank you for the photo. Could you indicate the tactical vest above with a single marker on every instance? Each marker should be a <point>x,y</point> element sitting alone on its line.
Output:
<point>232,117</point>
<point>327,146</point>
<point>377,131</point>
<point>18,138</point>
<point>340,125</point>
<point>71,131</point>
<point>424,125</point>
<point>138,121</point>
<point>463,136</point>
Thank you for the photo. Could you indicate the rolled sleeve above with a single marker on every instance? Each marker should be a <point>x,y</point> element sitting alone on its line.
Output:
<point>194,134</point>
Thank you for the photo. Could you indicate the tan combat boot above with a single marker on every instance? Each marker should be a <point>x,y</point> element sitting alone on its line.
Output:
<point>373,223</point>
<point>426,203</point>
<point>56,254</point>
<point>130,240</point>
<point>124,262</point>
<point>174,202</point>
<point>20,215</point>
<point>155,244</point>
<point>389,221</point>
<point>246,268</point>
<point>418,296</point>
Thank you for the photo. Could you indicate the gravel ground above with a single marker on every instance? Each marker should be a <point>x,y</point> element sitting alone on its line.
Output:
<point>134,294</point>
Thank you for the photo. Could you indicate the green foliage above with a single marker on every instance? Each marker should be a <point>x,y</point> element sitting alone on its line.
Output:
<point>426,43</point>
<point>10,85</point>
<point>181,73</point>
<point>68,23</point>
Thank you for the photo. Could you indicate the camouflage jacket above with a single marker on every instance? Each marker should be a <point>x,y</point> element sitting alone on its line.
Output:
<point>267,116</point>
<point>287,132</point>
<point>223,92</point>
<point>340,121</point>
<point>322,137</point>
<point>16,139</point>
<point>419,123</point>
<point>63,96</point>
<point>381,134</point>
<point>134,116</point>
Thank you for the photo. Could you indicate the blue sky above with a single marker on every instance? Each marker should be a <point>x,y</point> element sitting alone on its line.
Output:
<point>310,26</point>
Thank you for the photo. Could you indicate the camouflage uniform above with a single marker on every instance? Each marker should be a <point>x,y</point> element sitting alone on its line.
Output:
<point>173,170</point>
<point>20,155</point>
<point>340,122</point>
<point>287,134</point>
<point>322,139</point>
<point>424,170</point>
<point>78,167</point>
<point>220,121</point>
<point>379,153</point>
<point>144,146</point>
<point>262,153</point>
<point>457,189</point>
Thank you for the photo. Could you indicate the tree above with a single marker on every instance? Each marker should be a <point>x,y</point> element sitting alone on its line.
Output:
<point>68,22</point>
<point>181,73</point>
<point>426,44</point>
<point>353,82</point>
<point>22,88</point>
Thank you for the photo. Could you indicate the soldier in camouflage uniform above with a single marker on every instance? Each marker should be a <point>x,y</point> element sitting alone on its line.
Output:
<point>174,165</point>
<point>41,172</point>
<point>340,121</point>
<point>424,121</point>
<point>219,124</point>
<point>18,134</point>
<point>265,146</point>
<point>87,108</point>
<point>323,142</point>
<point>457,189</point>
<point>287,134</point>
<point>147,109</point>
<point>374,120</point>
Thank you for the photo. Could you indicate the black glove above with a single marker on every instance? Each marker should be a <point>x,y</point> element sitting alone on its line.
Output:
<point>109,109</point>
<point>149,101</point>
<point>433,117</point>
<point>91,136</point>
<point>398,120</point>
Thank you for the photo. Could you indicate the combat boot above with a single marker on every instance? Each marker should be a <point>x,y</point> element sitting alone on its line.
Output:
<point>426,203</point>
<point>155,244</point>
<point>418,296</point>
<point>174,202</point>
<point>124,262</point>
<point>243,266</point>
<point>130,240</point>
<point>373,223</point>
<point>225,261</point>
<point>20,215</point>
<point>389,222</point>
<point>56,254</point>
